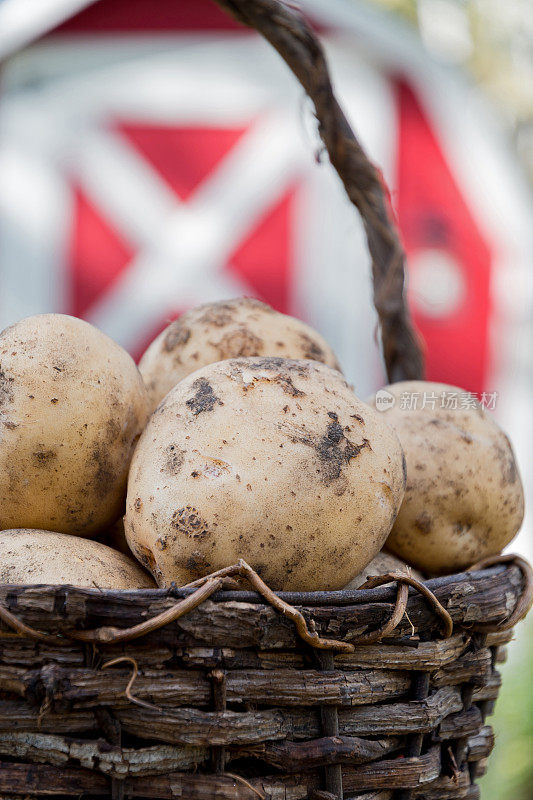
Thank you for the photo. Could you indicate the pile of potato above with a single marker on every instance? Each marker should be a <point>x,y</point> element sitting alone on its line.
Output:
<point>237,437</point>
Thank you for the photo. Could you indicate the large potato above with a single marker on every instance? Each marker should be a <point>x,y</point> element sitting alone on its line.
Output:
<point>464,498</point>
<point>267,459</point>
<point>72,406</point>
<point>380,565</point>
<point>229,329</point>
<point>29,557</point>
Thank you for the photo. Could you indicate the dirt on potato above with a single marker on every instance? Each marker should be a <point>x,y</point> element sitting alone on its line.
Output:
<point>268,459</point>
<point>242,327</point>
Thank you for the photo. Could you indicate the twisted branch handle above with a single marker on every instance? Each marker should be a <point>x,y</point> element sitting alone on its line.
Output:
<point>289,33</point>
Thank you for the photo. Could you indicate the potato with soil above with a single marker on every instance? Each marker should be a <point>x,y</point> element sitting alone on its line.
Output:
<point>72,407</point>
<point>32,557</point>
<point>464,498</point>
<point>268,459</point>
<point>228,329</point>
<point>380,565</point>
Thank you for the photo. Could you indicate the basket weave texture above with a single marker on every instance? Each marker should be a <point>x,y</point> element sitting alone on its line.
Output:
<point>229,702</point>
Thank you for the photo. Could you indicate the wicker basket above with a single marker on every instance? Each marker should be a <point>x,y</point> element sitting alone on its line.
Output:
<point>212,693</point>
<point>229,701</point>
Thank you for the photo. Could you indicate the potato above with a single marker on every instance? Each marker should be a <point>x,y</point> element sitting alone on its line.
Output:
<point>229,329</point>
<point>29,557</point>
<point>464,498</point>
<point>380,565</point>
<point>72,406</point>
<point>268,459</point>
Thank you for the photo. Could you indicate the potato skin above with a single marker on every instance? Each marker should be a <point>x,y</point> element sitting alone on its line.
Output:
<point>72,406</point>
<point>464,498</point>
<point>380,565</point>
<point>33,557</point>
<point>268,459</point>
<point>212,332</point>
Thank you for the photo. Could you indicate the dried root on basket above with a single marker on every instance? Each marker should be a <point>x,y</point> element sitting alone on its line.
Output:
<point>382,564</point>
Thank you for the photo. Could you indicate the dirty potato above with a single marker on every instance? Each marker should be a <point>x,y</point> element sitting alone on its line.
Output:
<point>72,406</point>
<point>464,498</point>
<point>268,459</point>
<point>229,329</point>
<point>380,565</point>
<point>30,557</point>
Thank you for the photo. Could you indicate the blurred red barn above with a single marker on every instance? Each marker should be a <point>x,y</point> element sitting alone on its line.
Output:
<point>154,155</point>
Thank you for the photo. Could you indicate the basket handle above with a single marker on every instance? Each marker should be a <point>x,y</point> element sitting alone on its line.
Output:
<point>289,33</point>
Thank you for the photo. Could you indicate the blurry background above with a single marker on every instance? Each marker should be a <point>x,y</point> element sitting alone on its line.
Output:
<point>154,155</point>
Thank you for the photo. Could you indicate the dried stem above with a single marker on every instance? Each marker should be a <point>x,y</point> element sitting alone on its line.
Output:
<point>379,580</point>
<point>242,780</point>
<point>110,635</point>
<point>127,691</point>
<point>389,626</point>
<point>205,587</point>
<point>25,630</point>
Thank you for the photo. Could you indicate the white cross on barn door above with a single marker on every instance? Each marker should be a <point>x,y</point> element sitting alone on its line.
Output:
<point>183,252</point>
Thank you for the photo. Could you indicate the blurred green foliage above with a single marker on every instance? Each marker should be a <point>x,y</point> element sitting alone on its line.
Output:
<point>492,41</point>
<point>510,770</point>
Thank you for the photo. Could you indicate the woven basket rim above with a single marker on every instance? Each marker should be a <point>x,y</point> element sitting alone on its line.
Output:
<point>489,597</point>
<point>340,597</point>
